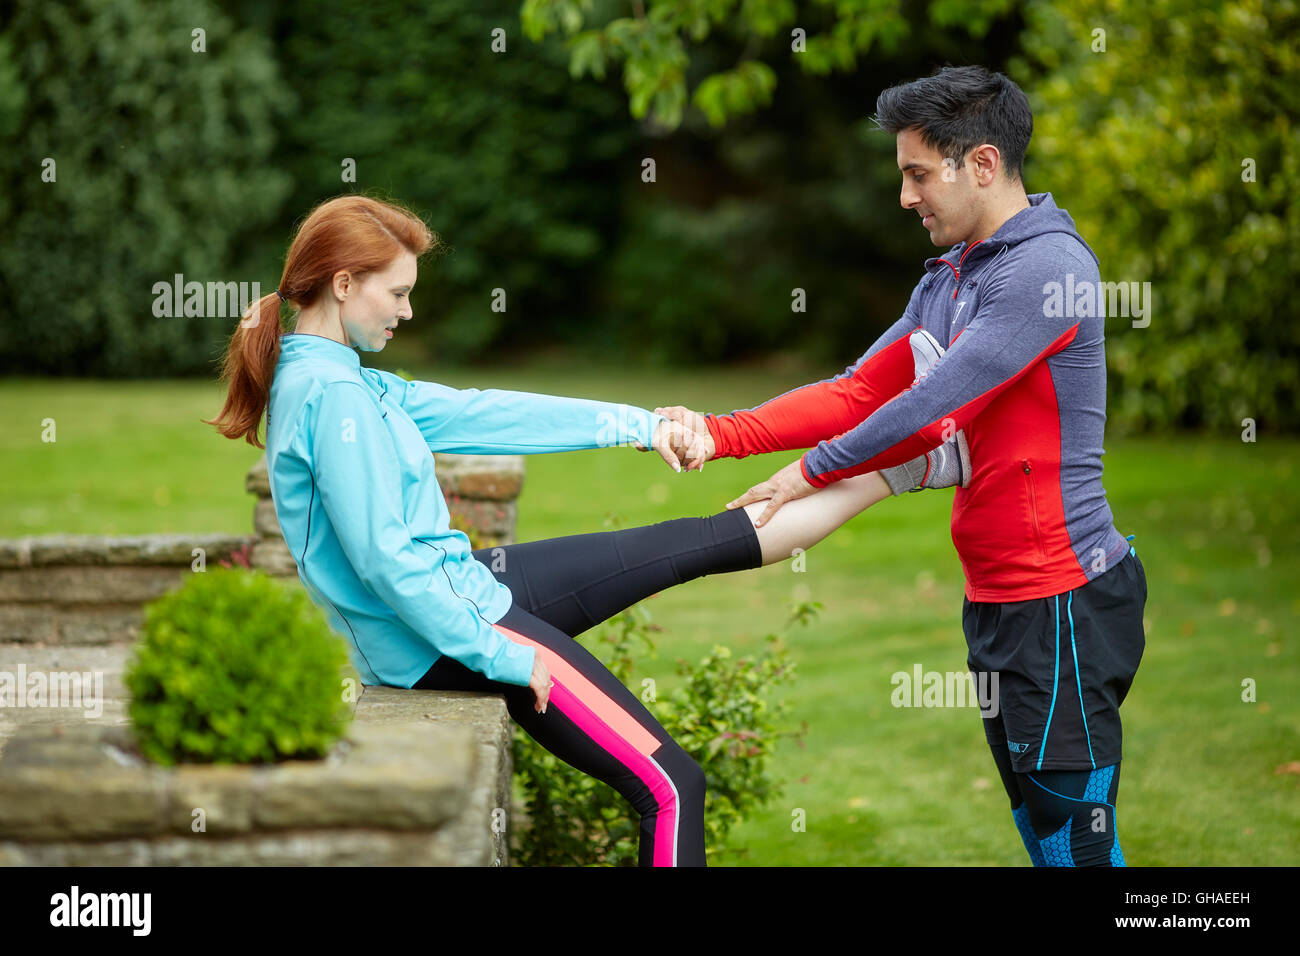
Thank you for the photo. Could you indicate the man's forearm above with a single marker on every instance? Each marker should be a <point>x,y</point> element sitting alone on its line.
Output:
<point>805,416</point>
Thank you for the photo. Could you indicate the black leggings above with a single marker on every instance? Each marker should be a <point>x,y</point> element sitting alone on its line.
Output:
<point>562,587</point>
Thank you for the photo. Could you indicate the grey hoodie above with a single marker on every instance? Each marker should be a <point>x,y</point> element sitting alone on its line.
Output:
<point>1024,374</point>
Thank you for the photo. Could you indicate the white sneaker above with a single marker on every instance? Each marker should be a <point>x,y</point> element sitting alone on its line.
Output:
<point>945,466</point>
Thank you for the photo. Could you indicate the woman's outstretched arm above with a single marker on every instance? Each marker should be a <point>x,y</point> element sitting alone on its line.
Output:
<point>470,421</point>
<point>805,521</point>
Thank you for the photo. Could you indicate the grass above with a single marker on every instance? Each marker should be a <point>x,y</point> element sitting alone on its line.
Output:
<point>1207,779</point>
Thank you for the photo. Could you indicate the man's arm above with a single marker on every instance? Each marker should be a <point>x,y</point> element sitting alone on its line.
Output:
<point>804,416</point>
<point>1009,336</point>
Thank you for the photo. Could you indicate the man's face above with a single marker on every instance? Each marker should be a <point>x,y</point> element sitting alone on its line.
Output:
<point>939,190</point>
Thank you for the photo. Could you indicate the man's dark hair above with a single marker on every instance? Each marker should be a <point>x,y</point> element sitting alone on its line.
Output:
<point>957,109</point>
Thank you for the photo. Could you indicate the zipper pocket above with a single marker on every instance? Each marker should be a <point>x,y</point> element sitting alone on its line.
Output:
<point>1033,507</point>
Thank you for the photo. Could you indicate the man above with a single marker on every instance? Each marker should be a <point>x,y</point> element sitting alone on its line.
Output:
<point>1054,593</point>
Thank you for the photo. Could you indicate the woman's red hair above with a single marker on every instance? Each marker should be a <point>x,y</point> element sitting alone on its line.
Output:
<point>354,233</point>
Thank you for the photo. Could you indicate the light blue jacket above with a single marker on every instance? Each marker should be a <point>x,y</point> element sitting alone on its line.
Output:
<point>349,455</point>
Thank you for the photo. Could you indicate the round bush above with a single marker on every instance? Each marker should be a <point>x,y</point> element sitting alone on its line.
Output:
<point>236,667</point>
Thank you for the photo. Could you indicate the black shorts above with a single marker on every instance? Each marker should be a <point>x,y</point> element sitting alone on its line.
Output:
<point>1064,664</point>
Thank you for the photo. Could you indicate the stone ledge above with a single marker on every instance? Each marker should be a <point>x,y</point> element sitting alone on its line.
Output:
<point>96,584</point>
<point>50,623</point>
<point>486,716</point>
<point>90,549</point>
<point>87,781</point>
<point>340,847</point>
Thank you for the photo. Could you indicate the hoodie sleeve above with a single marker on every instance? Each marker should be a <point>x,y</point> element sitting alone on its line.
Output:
<point>804,416</point>
<point>1010,333</point>
<point>499,422</point>
<point>358,477</point>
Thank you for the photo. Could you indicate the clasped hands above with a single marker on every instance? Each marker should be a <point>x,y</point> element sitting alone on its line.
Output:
<point>684,439</point>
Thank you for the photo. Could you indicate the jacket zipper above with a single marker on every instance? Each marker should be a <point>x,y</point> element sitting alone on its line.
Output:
<point>1033,507</point>
<point>956,270</point>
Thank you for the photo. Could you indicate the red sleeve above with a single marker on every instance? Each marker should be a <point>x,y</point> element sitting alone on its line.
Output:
<point>813,413</point>
<point>981,364</point>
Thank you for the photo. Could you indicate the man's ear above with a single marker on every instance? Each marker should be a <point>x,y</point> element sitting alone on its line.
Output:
<point>985,163</point>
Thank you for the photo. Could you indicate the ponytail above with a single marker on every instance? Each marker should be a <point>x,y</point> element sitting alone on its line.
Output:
<point>250,361</point>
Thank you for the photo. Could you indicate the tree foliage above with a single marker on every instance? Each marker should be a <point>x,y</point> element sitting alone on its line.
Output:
<point>1177,150</point>
<point>655,45</point>
<point>505,157</point>
<point>130,157</point>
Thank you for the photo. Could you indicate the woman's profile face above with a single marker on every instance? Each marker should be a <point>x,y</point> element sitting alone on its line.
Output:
<point>380,300</point>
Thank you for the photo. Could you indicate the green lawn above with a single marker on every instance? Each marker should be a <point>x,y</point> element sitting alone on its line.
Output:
<point>1205,778</point>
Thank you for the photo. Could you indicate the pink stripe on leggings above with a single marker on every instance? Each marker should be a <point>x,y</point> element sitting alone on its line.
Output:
<point>645,767</point>
<point>605,707</point>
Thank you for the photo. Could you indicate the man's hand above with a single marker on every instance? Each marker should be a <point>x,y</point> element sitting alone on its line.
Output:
<point>675,444</point>
<point>786,485</point>
<point>696,423</point>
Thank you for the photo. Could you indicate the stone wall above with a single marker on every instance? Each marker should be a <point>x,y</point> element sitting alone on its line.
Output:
<point>86,589</point>
<point>421,777</point>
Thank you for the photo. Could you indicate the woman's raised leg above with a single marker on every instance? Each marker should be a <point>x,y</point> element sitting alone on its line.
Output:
<point>577,581</point>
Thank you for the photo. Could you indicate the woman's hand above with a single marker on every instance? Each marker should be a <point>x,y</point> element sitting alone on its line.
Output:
<point>540,684</point>
<point>677,443</point>
<point>695,422</point>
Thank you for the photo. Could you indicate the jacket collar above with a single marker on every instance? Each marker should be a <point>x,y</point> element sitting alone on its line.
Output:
<point>297,345</point>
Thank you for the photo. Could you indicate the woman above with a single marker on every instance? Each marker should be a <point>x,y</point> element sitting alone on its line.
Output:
<point>353,482</point>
